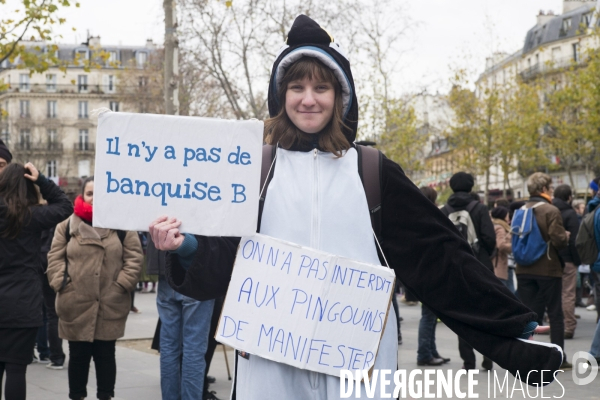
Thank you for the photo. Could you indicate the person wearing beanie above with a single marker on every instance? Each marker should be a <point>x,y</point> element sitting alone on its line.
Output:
<point>313,120</point>
<point>5,156</point>
<point>461,184</point>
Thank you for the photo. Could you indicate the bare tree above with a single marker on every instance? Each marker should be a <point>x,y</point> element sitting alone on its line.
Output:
<point>236,47</point>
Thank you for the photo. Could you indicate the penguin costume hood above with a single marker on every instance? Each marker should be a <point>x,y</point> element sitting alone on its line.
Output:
<point>306,38</point>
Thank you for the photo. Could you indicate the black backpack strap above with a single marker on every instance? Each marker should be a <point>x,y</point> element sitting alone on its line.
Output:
<point>268,155</point>
<point>471,206</point>
<point>370,164</point>
<point>67,238</point>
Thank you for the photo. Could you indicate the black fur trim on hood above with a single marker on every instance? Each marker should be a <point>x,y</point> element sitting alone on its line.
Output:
<point>306,38</point>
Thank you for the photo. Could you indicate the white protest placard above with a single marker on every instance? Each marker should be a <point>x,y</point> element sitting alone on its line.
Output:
<point>305,307</point>
<point>204,171</point>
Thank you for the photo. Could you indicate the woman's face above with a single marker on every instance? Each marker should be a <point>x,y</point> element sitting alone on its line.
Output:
<point>309,104</point>
<point>88,193</point>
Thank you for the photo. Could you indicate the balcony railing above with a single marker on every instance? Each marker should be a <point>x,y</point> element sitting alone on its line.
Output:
<point>42,147</point>
<point>549,66</point>
<point>84,146</point>
<point>68,88</point>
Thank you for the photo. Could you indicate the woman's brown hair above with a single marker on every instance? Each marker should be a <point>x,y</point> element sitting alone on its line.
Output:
<point>18,194</point>
<point>280,129</point>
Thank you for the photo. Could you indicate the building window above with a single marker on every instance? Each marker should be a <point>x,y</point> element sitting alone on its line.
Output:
<point>52,139</point>
<point>112,57</point>
<point>576,52</point>
<point>111,84</point>
<point>51,108</point>
<point>82,54</point>
<point>114,106</point>
<point>83,139</point>
<point>565,28</point>
<point>50,82</point>
<point>82,83</point>
<point>25,139</point>
<point>84,168</point>
<point>141,57</point>
<point>5,136</point>
<point>83,109</point>
<point>24,81</point>
<point>24,108</point>
<point>586,19</point>
<point>51,169</point>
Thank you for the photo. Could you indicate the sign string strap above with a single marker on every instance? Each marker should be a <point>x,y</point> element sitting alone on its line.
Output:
<point>380,249</point>
<point>269,173</point>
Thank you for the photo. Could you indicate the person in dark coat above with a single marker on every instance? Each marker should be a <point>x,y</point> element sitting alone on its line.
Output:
<point>461,184</point>
<point>22,220</point>
<point>563,197</point>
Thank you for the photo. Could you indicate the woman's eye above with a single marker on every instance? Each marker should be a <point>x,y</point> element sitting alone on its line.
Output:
<point>296,87</point>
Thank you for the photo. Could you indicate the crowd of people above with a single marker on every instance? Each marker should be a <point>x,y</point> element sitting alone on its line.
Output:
<point>552,286</point>
<point>459,262</point>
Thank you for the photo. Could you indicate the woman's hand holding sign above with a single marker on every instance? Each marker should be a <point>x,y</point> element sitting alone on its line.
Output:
<point>165,233</point>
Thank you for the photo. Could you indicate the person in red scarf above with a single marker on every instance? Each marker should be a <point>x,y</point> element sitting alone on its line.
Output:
<point>94,271</point>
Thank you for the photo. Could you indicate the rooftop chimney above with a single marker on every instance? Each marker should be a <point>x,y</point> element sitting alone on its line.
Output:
<point>543,17</point>
<point>570,5</point>
<point>150,44</point>
<point>94,41</point>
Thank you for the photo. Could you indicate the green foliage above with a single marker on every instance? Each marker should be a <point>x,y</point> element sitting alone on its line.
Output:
<point>497,126</point>
<point>33,21</point>
<point>572,108</point>
<point>402,141</point>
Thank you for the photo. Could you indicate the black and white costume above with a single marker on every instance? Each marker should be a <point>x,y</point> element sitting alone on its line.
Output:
<point>318,200</point>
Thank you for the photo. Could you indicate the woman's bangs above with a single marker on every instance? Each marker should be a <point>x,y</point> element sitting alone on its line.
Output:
<point>310,68</point>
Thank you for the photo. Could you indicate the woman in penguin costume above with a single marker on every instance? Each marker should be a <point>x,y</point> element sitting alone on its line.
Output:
<point>316,199</point>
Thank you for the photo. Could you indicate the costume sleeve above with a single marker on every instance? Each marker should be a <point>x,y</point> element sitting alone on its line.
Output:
<point>437,265</point>
<point>209,273</point>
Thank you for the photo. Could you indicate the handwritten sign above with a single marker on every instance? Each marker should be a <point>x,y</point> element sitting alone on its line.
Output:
<point>203,171</point>
<point>304,307</point>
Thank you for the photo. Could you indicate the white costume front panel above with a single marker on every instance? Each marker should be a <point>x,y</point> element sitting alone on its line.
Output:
<point>316,200</point>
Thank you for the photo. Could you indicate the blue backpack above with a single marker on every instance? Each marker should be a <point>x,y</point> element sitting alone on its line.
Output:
<point>528,245</point>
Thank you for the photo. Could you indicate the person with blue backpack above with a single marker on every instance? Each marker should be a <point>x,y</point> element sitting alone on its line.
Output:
<point>537,236</point>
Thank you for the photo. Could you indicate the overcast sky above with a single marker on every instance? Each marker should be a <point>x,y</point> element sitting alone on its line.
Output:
<point>448,31</point>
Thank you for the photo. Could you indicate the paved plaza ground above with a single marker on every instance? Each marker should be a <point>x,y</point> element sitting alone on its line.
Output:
<point>138,375</point>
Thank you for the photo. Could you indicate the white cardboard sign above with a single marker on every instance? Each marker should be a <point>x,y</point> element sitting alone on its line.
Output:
<point>203,171</point>
<point>305,307</point>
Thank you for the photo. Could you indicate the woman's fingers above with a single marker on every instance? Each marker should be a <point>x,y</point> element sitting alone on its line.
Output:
<point>156,222</point>
<point>33,172</point>
<point>165,233</point>
<point>541,329</point>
